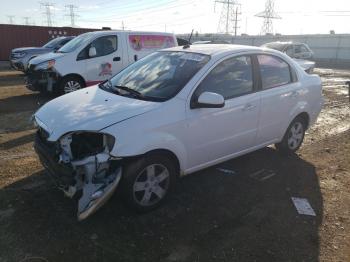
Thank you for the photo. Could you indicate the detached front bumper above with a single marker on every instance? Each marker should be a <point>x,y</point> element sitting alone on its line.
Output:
<point>17,65</point>
<point>42,80</point>
<point>79,176</point>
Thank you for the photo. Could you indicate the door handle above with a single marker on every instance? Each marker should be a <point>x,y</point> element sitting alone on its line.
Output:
<point>117,58</point>
<point>248,107</point>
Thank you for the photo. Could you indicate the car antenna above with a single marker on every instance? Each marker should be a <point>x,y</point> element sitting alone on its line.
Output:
<point>189,41</point>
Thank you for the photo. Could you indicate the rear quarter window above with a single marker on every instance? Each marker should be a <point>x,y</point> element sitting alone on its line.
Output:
<point>274,71</point>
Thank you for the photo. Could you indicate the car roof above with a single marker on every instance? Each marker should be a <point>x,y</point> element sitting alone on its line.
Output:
<point>107,32</point>
<point>214,49</point>
<point>284,43</point>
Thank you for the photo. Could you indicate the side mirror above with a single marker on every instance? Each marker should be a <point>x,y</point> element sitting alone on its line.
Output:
<point>209,100</point>
<point>92,51</point>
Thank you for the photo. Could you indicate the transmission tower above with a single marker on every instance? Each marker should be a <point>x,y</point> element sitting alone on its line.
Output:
<point>26,20</point>
<point>268,14</point>
<point>47,11</point>
<point>72,14</point>
<point>229,18</point>
<point>11,17</point>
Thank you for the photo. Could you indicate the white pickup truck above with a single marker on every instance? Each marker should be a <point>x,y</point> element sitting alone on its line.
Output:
<point>91,58</point>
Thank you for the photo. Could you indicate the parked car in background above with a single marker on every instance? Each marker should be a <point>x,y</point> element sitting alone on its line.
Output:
<point>299,51</point>
<point>20,57</point>
<point>292,49</point>
<point>92,58</point>
<point>217,41</point>
<point>172,113</point>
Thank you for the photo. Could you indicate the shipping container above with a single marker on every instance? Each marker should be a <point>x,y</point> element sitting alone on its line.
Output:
<point>13,36</point>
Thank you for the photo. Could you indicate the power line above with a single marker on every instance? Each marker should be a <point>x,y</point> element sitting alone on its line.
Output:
<point>268,14</point>
<point>141,12</point>
<point>229,18</point>
<point>72,14</point>
<point>47,11</point>
<point>11,19</point>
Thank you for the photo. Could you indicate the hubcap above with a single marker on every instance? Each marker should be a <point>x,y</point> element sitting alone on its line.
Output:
<point>295,135</point>
<point>151,185</point>
<point>71,86</point>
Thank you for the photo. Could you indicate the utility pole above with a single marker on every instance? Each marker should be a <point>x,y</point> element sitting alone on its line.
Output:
<point>26,20</point>
<point>268,14</point>
<point>123,27</point>
<point>47,11</point>
<point>11,17</point>
<point>72,14</point>
<point>229,17</point>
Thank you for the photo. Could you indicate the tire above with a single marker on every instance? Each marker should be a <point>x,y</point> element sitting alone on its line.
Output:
<point>147,182</point>
<point>294,136</point>
<point>70,84</point>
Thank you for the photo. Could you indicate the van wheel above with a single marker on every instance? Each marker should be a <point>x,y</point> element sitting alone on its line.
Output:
<point>293,137</point>
<point>147,182</point>
<point>70,84</point>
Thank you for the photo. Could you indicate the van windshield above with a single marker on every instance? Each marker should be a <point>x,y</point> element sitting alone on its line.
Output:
<point>158,76</point>
<point>75,43</point>
<point>53,42</point>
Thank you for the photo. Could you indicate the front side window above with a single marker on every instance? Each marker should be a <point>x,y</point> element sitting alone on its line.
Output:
<point>290,51</point>
<point>297,49</point>
<point>104,45</point>
<point>158,76</point>
<point>231,78</point>
<point>274,71</point>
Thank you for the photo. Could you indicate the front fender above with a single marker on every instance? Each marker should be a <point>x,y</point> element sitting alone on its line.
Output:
<point>127,146</point>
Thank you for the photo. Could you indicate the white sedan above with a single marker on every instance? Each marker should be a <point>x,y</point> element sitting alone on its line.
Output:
<point>170,114</point>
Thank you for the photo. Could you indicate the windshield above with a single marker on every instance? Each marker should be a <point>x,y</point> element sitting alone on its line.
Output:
<point>74,44</point>
<point>53,42</point>
<point>158,76</point>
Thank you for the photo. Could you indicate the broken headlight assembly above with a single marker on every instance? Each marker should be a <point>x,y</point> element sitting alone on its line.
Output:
<point>96,173</point>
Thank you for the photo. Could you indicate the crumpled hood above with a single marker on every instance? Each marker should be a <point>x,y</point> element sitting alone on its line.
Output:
<point>89,109</point>
<point>45,57</point>
<point>32,49</point>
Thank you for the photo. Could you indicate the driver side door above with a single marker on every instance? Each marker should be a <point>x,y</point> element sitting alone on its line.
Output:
<point>107,61</point>
<point>218,133</point>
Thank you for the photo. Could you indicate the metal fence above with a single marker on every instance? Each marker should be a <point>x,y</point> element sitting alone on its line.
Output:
<point>330,50</point>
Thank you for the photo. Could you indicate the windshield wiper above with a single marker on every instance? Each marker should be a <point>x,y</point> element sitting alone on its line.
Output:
<point>130,90</point>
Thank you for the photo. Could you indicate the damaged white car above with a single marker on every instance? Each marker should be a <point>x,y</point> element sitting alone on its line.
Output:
<point>172,113</point>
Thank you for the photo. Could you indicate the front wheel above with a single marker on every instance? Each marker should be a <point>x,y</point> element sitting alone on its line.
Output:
<point>70,84</point>
<point>293,137</point>
<point>147,182</point>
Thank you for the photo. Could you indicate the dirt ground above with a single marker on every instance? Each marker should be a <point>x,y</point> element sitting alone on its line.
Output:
<point>213,215</point>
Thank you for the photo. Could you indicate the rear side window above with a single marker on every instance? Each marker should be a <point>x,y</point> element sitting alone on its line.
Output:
<point>274,71</point>
<point>231,78</point>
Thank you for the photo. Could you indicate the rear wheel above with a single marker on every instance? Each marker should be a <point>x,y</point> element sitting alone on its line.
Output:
<point>147,182</point>
<point>293,137</point>
<point>70,84</point>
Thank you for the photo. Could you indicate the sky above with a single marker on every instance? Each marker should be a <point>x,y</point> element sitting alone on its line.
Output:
<point>181,16</point>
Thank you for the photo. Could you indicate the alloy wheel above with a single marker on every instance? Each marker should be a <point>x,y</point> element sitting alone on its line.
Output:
<point>151,185</point>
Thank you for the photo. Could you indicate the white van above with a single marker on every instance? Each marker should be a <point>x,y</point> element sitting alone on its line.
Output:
<point>92,58</point>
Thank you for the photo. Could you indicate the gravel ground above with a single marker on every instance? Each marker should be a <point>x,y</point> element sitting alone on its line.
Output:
<point>213,215</point>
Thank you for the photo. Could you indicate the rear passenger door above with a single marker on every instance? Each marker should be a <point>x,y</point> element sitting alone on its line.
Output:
<point>107,61</point>
<point>279,95</point>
